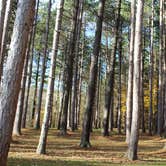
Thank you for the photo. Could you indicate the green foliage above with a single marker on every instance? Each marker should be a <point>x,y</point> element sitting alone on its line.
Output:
<point>86,43</point>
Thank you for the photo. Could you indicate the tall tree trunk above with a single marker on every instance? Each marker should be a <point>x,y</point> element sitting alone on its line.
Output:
<point>130,73</point>
<point>57,101</point>
<point>160,101</point>
<point>133,143</point>
<point>85,137</point>
<point>81,69</point>
<point>110,84</point>
<point>36,87</point>
<point>4,35</point>
<point>164,82</point>
<point>62,79</point>
<point>43,68</point>
<point>69,111</point>
<point>108,66</point>
<point>20,104</point>
<point>69,70</point>
<point>120,84</point>
<point>97,111</point>
<point>41,149</point>
<point>30,65</point>
<point>60,111</point>
<point>75,79</point>
<point>2,18</point>
<point>164,107</point>
<point>12,74</point>
<point>151,72</point>
<point>112,118</point>
<point>80,87</point>
<point>142,109</point>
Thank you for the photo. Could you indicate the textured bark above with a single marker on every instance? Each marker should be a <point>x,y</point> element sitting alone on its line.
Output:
<point>112,121</point>
<point>110,84</point>
<point>75,79</point>
<point>108,66</point>
<point>108,63</point>
<point>60,111</point>
<point>97,111</point>
<point>69,70</point>
<point>20,104</point>
<point>116,117</point>
<point>120,84</point>
<point>164,75</point>
<point>160,97</point>
<point>164,113</point>
<point>80,91</point>
<point>4,35</point>
<point>69,110</point>
<point>81,71</point>
<point>43,69</point>
<point>85,137</point>
<point>155,120</point>
<point>133,143</point>
<point>12,74</point>
<point>50,90</point>
<point>151,72</point>
<point>2,17</point>
<point>130,74</point>
<point>142,109</point>
<point>30,65</point>
<point>36,87</point>
<point>62,93</point>
<point>57,101</point>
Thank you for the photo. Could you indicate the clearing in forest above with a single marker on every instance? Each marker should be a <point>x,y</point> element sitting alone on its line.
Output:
<point>65,151</point>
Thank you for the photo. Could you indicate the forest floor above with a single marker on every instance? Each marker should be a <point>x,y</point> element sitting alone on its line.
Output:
<point>65,151</point>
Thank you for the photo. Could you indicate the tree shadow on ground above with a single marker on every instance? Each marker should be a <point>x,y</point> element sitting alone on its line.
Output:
<point>40,162</point>
<point>65,151</point>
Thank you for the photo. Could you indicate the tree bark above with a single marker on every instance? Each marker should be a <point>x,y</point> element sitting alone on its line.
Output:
<point>110,84</point>
<point>4,35</point>
<point>12,74</point>
<point>2,18</point>
<point>63,77</point>
<point>120,84</point>
<point>36,87</point>
<point>164,75</point>
<point>97,111</point>
<point>20,104</point>
<point>133,143</point>
<point>43,68</point>
<point>160,101</point>
<point>81,70</point>
<point>142,109</point>
<point>151,72</point>
<point>130,73</point>
<point>69,70</point>
<point>30,65</point>
<point>75,79</point>
<point>50,90</point>
<point>85,136</point>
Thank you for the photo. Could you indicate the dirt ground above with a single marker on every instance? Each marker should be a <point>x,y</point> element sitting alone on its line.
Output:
<point>65,151</point>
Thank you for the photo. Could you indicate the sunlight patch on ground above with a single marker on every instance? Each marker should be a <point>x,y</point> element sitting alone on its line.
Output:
<point>65,150</point>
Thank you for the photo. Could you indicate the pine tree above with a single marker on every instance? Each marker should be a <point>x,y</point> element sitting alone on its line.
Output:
<point>12,74</point>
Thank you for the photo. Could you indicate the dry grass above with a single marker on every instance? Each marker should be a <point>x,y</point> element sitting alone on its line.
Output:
<point>65,151</point>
